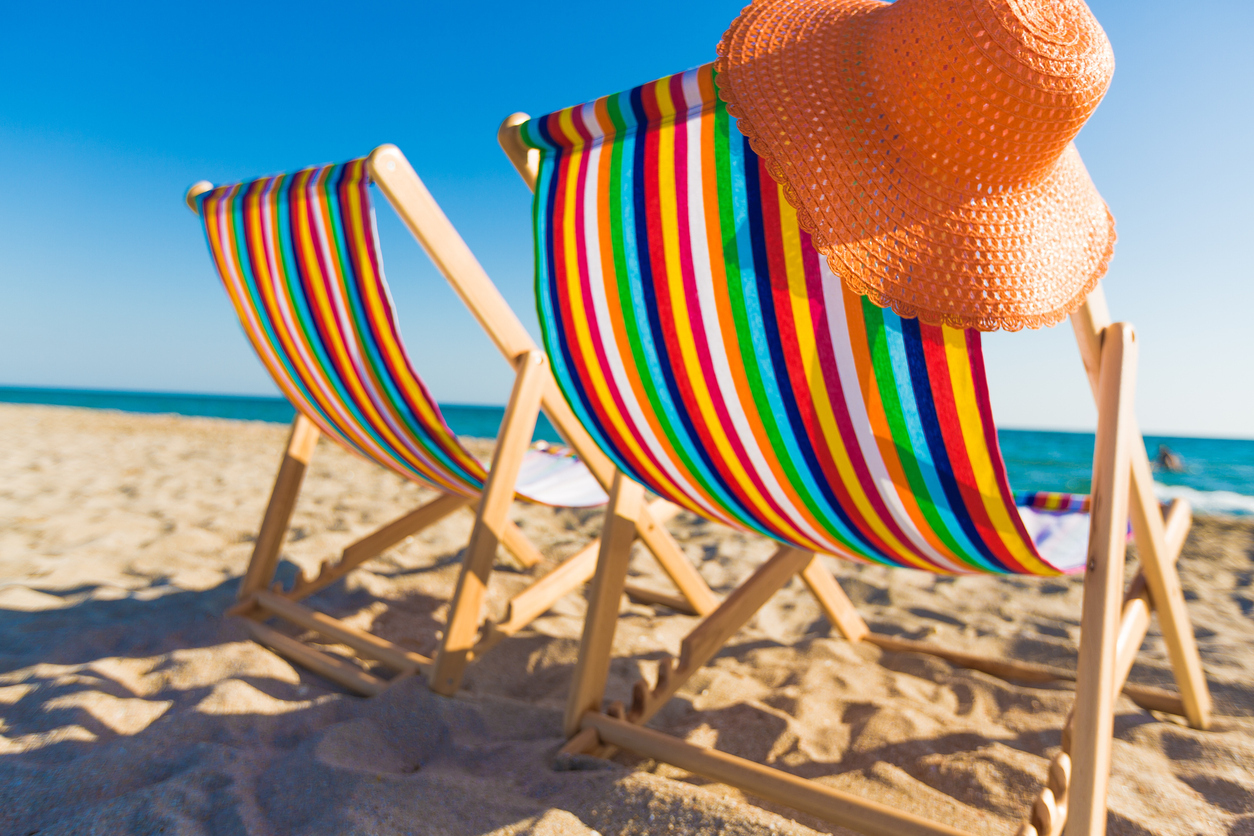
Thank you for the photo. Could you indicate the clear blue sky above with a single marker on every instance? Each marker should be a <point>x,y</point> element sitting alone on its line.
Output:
<point>109,111</point>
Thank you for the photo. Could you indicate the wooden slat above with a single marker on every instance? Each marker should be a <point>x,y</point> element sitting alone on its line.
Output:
<point>1133,626</point>
<point>1176,527</point>
<point>1150,698</point>
<point>517,544</point>
<point>1004,668</point>
<point>676,564</point>
<point>536,599</point>
<point>840,808</point>
<point>465,611</point>
<point>646,595</point>
<point>1103,585</point>
<point>373,544</point>
<point>716,629</point>
<point>1088,322</point>
<point>316,661</point>
<point>372,647</point>
<point>702,643</point>
<point>1155,699</point>
<point>593,665</point>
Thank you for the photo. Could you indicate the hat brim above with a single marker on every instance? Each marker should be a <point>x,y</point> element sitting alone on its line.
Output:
<point>909,239</point>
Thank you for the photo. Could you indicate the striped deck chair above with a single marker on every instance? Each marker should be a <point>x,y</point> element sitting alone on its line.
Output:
<point>300,260</point>
<point>714,358</point>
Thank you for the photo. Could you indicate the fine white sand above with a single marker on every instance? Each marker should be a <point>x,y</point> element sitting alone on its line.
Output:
<point>129,705</point>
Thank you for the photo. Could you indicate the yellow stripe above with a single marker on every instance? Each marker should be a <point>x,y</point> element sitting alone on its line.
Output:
<point>798,295</point>
<point>684,328</point>
<point>581,313</point>
<point>959,363</point>
<point>356,227</point>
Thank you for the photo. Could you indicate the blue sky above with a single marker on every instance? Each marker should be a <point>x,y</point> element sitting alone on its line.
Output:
<point>108,113</point>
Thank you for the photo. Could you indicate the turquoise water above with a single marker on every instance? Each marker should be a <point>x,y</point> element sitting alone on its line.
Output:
<point>1218,476</point>
<point>477,421</point>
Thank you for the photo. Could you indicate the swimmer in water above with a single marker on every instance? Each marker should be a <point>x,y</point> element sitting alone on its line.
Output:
<point>1168,460</point>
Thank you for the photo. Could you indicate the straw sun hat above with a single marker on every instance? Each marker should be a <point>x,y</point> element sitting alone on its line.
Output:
<point>927,146</point>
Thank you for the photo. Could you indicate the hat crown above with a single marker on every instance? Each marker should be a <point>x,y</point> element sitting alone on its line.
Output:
<point>984,95</point>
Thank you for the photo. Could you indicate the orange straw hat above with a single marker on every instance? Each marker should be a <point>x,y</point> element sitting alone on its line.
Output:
<point>927,146</point>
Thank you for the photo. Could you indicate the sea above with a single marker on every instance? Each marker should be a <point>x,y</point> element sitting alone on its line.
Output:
<point>1218,475</point>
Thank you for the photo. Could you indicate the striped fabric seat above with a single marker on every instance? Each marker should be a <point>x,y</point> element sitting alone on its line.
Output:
<point>299,257</point>
<point>716,358</point>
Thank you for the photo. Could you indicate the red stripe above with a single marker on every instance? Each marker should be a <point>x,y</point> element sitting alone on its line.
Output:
<point>799,386</point>
<point>840,407</point>
<point>585,284</point>
<point>975,351</point>
<point>955,445</point>
<point>701,343</point>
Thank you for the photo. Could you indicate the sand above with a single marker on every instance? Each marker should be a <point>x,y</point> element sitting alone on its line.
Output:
<point>129,705</point>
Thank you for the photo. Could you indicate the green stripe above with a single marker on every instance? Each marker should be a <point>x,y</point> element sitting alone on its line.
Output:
<point>885,381</point>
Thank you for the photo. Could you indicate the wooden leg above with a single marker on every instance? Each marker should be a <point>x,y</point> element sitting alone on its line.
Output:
<point>1163,582</point>
<point>676,564</point>
<point>463,622</point>
<point>835,603</point>
<point>1147,525</point>
<point>517,544</point>
<point>265,558</point>
<point>1103,587</point>
<point>593,667</point>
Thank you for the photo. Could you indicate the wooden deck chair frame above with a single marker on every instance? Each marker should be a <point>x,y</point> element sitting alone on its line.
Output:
<point>464,637</point>
<point>1114,620</point>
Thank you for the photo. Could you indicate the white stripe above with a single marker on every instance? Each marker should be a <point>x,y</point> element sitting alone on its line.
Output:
<point>838,328</point>
<point>707,310</point>
<point>600,307</point>
<point>348,332</point>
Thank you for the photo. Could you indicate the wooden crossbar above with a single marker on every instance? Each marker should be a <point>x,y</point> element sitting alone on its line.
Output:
<point>320,663</point>
<point>366,644</point>
<point>378,541</point>
<point>647,595</point>
<point>713,632</point>
<point>536,599</point>
<point>832,805</point>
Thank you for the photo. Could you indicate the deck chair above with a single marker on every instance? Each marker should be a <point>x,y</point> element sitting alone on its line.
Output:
<point>715,358</point>
<point>300,259</point>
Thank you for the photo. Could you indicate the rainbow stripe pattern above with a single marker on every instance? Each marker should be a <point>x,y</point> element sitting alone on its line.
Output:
<point>299,257</point>
<point>1054,503</point>
<point>715,357</point>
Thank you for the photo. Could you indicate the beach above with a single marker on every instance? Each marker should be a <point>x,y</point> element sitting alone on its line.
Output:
<point>130,705</point>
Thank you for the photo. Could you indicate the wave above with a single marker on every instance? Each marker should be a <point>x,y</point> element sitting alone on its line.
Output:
<point>1208,502</point>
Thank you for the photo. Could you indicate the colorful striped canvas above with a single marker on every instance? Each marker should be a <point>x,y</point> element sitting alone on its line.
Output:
<point>1054,503</point>
<point>299,257</point>
<point>714,356</point>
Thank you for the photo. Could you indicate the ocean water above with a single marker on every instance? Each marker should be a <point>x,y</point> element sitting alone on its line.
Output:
<point>1218,476</point>
<point>476,421</point>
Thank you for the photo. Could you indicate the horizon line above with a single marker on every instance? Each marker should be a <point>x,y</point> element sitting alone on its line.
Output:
<point>281,399</point>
